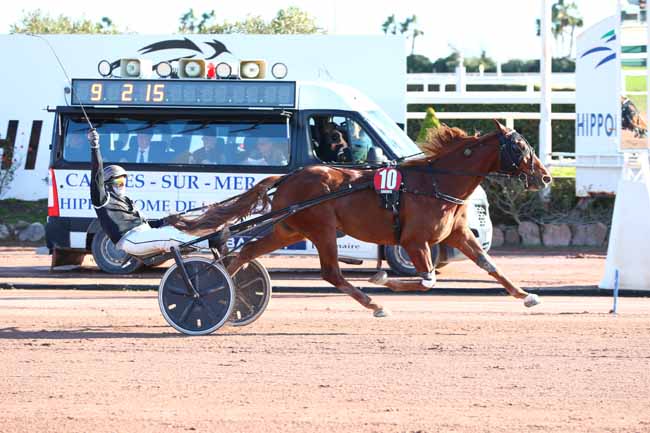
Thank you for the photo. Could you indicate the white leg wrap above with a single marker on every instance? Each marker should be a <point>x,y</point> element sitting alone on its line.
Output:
<point>485,264</point>
<point>428,283</point>
<point>531,300</point>
<point>428,279</point>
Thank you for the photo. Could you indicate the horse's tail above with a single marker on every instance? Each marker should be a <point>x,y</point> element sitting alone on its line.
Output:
<point>219,214</point>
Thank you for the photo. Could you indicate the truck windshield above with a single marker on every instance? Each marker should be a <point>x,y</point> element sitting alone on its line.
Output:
<point>392,135</point>
<point>180,141</point>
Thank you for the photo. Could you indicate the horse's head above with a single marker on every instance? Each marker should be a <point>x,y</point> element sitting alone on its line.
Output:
<point>517,158</point>
<point>632,119</point>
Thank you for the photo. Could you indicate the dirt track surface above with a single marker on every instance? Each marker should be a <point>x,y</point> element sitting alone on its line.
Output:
<point>74,361</point>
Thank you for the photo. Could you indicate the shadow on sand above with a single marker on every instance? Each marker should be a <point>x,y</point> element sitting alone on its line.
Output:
<point>113,332</point>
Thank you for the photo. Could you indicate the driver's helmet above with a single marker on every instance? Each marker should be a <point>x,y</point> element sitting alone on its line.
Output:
<point>113,172</point>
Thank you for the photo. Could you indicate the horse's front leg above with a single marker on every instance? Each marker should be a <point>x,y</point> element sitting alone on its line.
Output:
<point>464,240</point>
<point>420,255</point>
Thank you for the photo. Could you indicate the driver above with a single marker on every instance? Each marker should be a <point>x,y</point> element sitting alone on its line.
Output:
<point>118,217</point>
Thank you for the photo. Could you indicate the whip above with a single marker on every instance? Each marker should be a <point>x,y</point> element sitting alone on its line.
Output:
<point>83,109</point>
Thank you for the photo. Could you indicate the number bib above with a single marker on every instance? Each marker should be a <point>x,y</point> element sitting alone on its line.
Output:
<point>387,180</point>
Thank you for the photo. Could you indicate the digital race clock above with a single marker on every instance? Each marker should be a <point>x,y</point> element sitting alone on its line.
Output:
<point>185,93</point>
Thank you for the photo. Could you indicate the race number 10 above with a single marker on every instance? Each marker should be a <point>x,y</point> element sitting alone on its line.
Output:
<point>387,179</point>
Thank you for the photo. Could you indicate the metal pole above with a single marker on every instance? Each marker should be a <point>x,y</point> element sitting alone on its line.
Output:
<point>622,85</point>
<point>647,79</point>
<point>616,283</point>
<point>545,134</point>
<point>460,74</point>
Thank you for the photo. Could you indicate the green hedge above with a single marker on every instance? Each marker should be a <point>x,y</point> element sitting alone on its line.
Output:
<point>12,211</point>
<point>418,63</point>
<point>562,205</point>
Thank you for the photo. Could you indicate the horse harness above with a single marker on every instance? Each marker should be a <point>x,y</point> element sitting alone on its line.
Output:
<point>511,156</point>
<point>391,200</point>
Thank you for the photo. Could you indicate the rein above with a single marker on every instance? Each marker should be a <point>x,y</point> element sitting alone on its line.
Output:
<point>434,170</point>
<point>510,157</point>
<point>435,194</point>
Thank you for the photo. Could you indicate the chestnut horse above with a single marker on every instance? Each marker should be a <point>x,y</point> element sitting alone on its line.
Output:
<point>432,208</point>
<point>632,119</point>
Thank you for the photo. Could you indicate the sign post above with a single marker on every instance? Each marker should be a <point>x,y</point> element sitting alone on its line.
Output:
<point>545,135</point>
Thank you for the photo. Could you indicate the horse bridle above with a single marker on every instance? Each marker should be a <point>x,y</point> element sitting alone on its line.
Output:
<point>628,113</point>
<point>511,155</point>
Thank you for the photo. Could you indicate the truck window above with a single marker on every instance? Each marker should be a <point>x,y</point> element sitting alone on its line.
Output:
<point>339,139</point>
<point>204,142</point>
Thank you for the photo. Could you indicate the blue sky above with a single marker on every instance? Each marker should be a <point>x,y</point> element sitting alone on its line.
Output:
<point>504,28</point>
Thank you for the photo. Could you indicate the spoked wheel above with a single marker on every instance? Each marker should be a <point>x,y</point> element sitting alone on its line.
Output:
<point>204,312</point>
<point>253,292</point>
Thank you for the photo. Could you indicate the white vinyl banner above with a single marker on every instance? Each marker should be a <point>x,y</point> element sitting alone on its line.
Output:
<point>598,108</point>
<point>629,237</point>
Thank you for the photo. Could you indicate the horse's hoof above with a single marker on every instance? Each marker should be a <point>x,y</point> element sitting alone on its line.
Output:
<point>380,278</point>
<point>531,300</point>
<point>382,312</point>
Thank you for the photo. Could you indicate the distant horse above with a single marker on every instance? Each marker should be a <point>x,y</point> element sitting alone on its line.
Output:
<point>632,119</point>
<point>433,193</point>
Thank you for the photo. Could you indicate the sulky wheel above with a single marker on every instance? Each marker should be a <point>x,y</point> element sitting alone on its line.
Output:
<point>253,292</point>
<point>204,312</point>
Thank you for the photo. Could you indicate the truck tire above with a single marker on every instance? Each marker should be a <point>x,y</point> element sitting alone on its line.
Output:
<point>399,261</point>
<point>109,258</point>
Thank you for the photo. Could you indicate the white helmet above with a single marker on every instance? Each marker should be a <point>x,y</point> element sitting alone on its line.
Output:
<point>113,172</point>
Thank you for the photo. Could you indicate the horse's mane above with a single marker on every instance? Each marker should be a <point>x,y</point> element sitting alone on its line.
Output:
<point>441,141</point>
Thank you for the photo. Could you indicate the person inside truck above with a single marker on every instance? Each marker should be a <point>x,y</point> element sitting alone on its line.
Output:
<point>211,152</point>
<point>143,151</point>
<point>268,151</point>
<point>360,143</point>
<point>119,218</point>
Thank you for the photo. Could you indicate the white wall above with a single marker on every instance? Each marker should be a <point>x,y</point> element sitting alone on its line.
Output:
<point>32,80</point>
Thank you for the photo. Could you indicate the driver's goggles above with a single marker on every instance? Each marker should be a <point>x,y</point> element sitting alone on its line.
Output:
<point>119,183</point>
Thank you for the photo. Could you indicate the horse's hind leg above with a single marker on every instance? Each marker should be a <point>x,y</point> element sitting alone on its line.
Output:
<point>464,240</point>
<point>325,242</point>
<point>420,255</point>
<point>281,236</point>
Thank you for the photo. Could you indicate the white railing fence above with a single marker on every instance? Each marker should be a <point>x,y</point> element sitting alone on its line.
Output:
<point>458,88</point>
<point>434,86</point>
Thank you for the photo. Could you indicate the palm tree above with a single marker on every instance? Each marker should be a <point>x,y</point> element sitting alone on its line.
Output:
<point>405,27</point>
<point>416,33</point>
<point>390,25</point>
<point>409,26</point>
<point>565,16</point>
